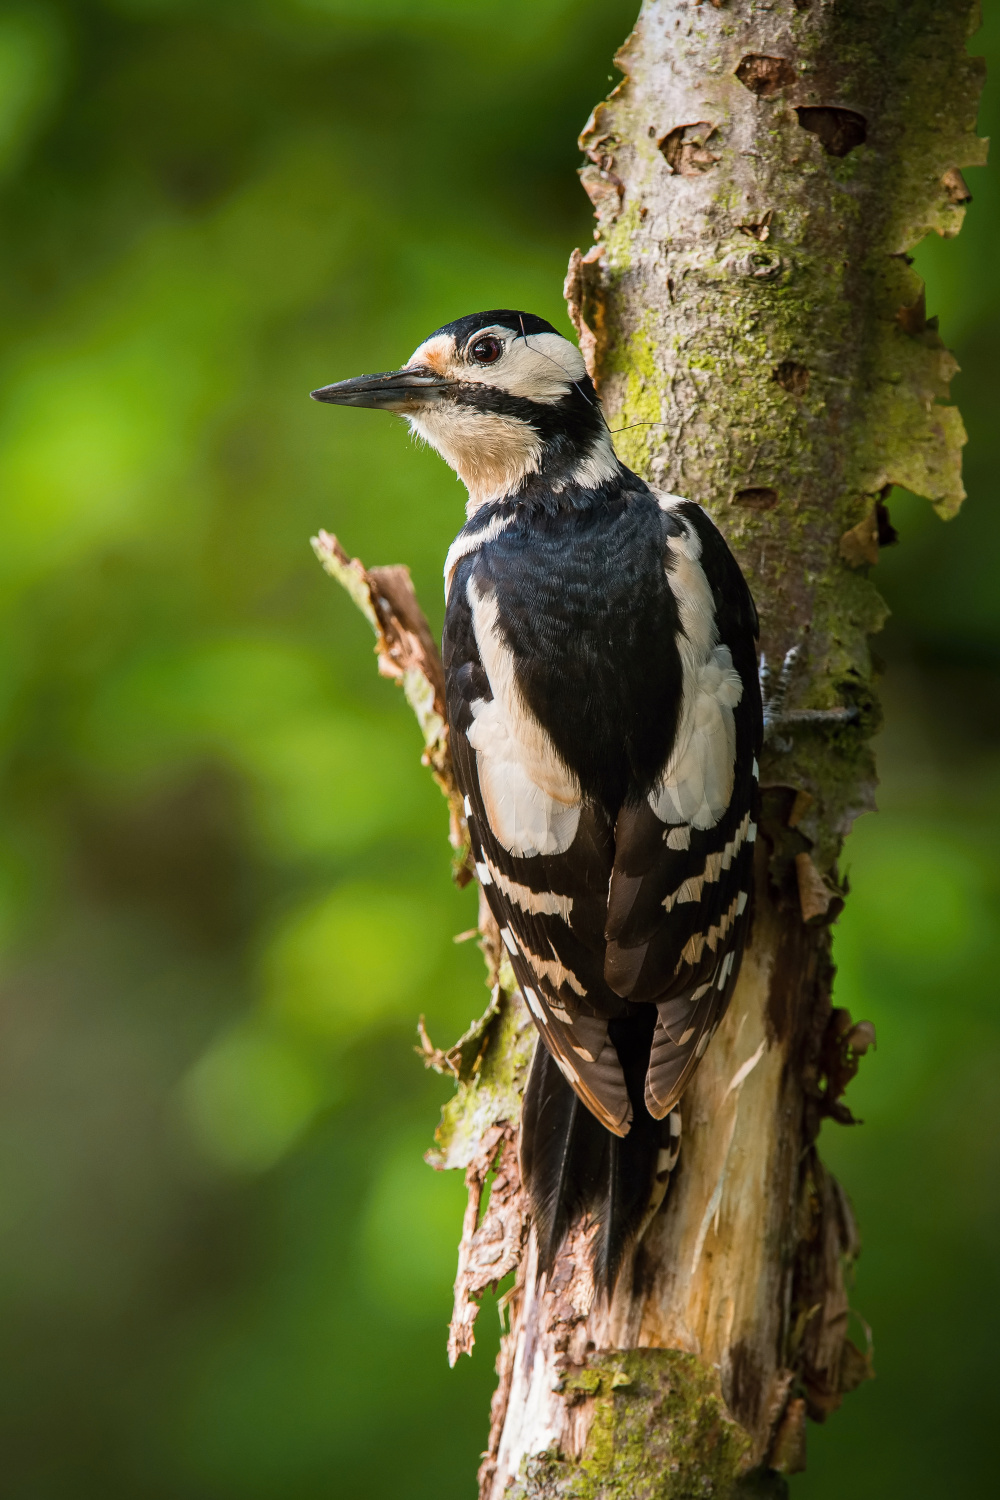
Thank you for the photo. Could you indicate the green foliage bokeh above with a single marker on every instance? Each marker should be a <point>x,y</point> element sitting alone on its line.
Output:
<point>224,894</point>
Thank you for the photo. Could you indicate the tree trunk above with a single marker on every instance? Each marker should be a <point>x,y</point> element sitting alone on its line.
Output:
<point>759,340</point>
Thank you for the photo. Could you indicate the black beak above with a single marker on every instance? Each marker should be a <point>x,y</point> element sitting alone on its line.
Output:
<point>397,390</point>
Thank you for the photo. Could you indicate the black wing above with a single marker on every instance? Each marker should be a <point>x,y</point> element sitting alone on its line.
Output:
<point>681,887</point>
<point>550,905</point>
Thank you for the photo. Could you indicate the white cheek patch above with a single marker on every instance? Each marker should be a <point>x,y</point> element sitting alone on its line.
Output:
<point>541,367</point>
<point>492,453</point>
<point>538,366</point>
<point>531,797</point>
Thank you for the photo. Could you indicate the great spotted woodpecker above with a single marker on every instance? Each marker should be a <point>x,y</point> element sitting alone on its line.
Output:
<point>600,655</point>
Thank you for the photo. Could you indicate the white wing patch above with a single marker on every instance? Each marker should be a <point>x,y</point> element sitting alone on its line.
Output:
<point>524,819</point>
<point>532,799</point>
<point>697,782</point>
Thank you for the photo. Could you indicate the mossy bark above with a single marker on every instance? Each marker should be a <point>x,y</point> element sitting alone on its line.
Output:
<point>759,339</point>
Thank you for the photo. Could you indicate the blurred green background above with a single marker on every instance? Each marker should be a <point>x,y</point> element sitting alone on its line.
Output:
<point>224,896</point>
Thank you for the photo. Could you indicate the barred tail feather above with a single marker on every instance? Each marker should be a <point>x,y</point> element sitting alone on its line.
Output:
<point>572,1165</point>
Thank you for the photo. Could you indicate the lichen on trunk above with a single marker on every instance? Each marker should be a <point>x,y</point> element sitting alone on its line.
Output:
<point>758,336</point>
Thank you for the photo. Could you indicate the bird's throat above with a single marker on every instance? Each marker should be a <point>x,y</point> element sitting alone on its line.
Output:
<point>491,453</point>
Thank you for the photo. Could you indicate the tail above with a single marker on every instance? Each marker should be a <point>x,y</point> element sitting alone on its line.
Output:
<point>572,1165</point>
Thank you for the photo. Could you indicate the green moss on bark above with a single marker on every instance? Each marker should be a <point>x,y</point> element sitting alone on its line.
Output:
<point>660,1431</point>
<point>491,1079</point>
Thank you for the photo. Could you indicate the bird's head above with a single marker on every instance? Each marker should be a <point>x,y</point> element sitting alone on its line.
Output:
<point>502,396</point>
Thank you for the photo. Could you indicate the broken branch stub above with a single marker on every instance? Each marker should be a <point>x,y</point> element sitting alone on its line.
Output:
<point>408,655</point>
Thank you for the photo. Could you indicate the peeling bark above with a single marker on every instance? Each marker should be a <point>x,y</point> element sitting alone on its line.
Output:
<point>408,655</point>
<point>752,321</point>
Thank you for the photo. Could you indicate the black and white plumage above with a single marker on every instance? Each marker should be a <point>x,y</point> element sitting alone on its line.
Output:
<point>601,668</point>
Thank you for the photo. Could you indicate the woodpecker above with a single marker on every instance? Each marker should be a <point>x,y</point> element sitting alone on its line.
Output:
<point>600,657</point>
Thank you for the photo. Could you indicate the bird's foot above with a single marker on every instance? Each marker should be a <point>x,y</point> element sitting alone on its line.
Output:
<point>777,717</point>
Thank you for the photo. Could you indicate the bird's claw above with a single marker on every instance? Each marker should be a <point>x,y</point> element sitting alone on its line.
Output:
<point>776,716</point>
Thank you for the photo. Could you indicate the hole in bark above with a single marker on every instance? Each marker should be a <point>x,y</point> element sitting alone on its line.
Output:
<point>955,187</point>
<point>757,497</point>
<point>859,547</point>
<point>886,533</point>
<point>759,229</point>
<point>764,75</point>
<point>762,265</point>
<point>685,149</point>
<point>791,377</point>
<point>839,130</point>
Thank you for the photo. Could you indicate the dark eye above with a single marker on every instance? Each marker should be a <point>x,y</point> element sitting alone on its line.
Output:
<point>487,350</point>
